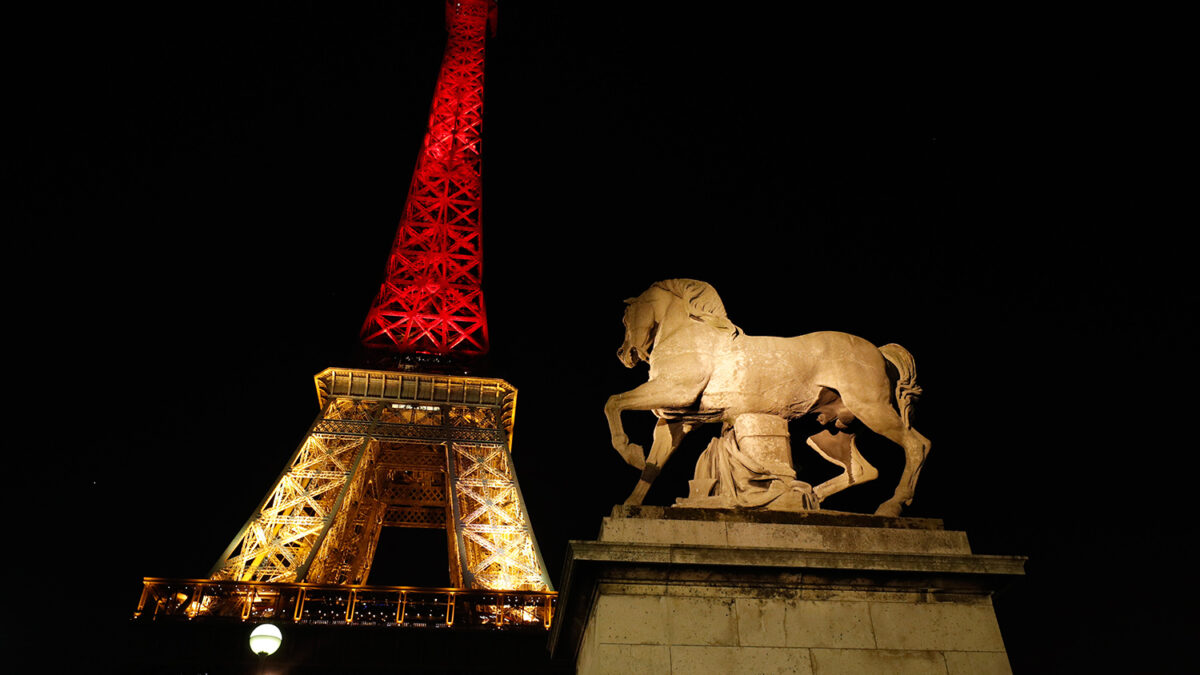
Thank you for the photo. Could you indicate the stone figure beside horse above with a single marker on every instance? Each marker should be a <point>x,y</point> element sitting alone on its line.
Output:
<point>704,369</point>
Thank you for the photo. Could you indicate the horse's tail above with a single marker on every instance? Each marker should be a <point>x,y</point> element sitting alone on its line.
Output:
<point>907,390</point>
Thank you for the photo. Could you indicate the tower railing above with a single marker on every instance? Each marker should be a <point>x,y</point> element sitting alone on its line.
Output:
<point>400,606</point>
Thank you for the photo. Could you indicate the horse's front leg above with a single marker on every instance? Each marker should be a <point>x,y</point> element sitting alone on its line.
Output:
<point>677,393</point>
<point>667,436</point>
<point>630,452</point>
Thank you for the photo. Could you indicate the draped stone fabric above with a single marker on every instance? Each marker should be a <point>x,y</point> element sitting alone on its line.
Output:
<point>755,473</point>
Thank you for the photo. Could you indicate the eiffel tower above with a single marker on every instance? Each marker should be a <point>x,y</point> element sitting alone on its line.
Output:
<point>417,441</point>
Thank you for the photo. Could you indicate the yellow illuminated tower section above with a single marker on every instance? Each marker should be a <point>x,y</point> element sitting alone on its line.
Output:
<point>395,449</point>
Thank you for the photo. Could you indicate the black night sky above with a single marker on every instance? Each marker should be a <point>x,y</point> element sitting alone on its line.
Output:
<point>210,194</point>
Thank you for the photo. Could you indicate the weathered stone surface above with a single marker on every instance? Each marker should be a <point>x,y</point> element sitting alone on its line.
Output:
<point>936,625</point>
<point>830,538</point>
<point>701,621</point>
<point>689,660</point>
<point>977,663</point>
<point>634,589</point>
<point>892,662</point>
<point>835,518</point>
<point>809,623</point>
<point>664,531</point>
<point>725,556</point>
<point>632,619</point>
<point>782,535</point>
<point>622,659</point>
<point>761,622</point>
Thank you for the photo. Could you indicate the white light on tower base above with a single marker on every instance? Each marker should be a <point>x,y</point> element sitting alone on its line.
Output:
<point>265,639</point>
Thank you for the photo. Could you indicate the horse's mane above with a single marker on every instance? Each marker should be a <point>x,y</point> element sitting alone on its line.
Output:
<point>703,303</point>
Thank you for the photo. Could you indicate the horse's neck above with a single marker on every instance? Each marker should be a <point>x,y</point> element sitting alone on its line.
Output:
<point>677,326</point>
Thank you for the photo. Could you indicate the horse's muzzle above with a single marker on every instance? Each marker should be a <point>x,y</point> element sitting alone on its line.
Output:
<point>624,358</point>
<point>628,356</point>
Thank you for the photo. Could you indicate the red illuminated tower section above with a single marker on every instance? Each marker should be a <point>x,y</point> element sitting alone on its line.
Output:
<point>431,302</point>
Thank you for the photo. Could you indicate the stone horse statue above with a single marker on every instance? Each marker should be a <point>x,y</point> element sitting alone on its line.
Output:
<point>703,368</point>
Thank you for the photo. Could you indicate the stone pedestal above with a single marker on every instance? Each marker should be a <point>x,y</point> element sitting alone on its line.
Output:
<point>676,590</point>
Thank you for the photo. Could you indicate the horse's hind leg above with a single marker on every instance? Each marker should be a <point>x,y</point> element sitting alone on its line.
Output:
<point>883,419</point>
<point>840,449</point>
<point>667,436</point>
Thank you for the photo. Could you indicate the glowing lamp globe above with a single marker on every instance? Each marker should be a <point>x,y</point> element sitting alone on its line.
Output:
<point>265,639</point>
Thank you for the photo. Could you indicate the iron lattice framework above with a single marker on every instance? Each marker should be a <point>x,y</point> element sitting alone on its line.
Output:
<point>403,449</point>
<point>431,301</point>
<point>400,450</point>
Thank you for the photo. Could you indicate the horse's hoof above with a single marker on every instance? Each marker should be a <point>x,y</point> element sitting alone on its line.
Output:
<point>889,509</point>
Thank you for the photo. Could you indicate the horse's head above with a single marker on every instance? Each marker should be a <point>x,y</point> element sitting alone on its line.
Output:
<point>641,325</point>
<point>677,303</point>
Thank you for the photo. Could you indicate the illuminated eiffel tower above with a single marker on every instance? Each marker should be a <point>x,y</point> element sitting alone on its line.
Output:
<point>415,443</point>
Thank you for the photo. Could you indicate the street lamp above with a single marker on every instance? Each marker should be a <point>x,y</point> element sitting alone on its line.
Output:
<point>265,639</point>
